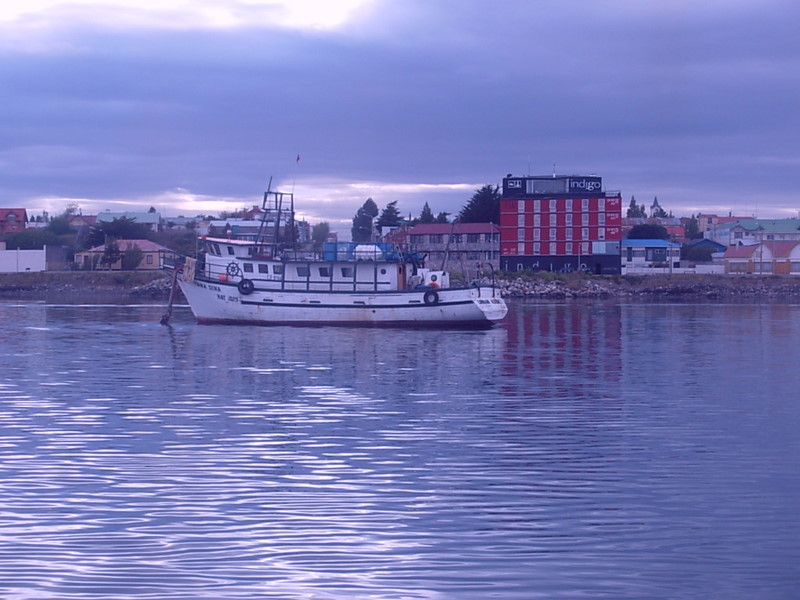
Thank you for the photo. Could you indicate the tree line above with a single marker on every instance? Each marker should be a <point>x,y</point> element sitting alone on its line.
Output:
<point>482,207</point>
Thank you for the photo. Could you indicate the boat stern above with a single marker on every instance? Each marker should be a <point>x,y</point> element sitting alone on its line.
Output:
<point>490,303</point>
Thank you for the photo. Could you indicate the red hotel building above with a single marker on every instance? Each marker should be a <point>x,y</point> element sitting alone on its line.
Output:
<point>560,223</point>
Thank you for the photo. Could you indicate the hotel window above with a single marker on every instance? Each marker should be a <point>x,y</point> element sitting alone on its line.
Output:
<point>553,248</point>
<point>537,205</point>
<point>521,206</point>
<point>601,233</point>
<point>585,219</point>
<point>521,248</point>
<point>520,220</point>
<point>553,217</point>
<point>149,260</point>
<point>473,238</point>
<point>553,202</point>
<point>601,204</point>
<point>537,220</point>
<point>585,233</point>
<point>553,234</point>
<point>601,218</point>
<point>520,234</point>
<point>584,247</point>
<point>569,233</point>
<point>569,219</point>
<point>584,204</point>
<point>569,248</point>
<point>537,234</point>
<point>568,204</point>
<point>537,248</point>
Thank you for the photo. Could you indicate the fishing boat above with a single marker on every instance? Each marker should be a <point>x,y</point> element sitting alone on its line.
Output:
<point>269,279</point>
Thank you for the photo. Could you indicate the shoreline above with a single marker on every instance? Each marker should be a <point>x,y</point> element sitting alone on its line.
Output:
<point>140,286</point>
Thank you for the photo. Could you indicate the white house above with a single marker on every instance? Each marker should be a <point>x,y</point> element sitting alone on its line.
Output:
<point>648,254</point>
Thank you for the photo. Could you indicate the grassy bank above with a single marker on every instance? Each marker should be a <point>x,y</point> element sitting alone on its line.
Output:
<point>107,283</point>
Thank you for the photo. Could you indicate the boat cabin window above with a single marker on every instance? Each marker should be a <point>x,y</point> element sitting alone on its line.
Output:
<point>324,272</point>
<point>230,250</point>
<point>263,269</point>
<point>277,269</point>
<point>214,248</point>
<point>303,271</point>
<point>347,272</point>
<point>248,267</point>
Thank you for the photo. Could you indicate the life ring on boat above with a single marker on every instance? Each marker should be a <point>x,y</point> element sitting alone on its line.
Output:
<point>246,287</point>
<point>431,297</point>
<point>232,269</point>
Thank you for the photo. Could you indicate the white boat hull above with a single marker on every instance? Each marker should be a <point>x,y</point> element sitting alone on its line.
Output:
<point>224,303</point>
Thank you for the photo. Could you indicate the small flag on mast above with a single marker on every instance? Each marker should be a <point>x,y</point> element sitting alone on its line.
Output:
<point>297,159</point>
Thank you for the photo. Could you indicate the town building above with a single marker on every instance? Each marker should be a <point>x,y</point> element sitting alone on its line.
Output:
<point>151,256</point>
<point>747,232</point>
<point>765,258</point>
<point>707,222</point>
<point>560,223</point>
<point>467,247</point>
<point>649,254</point>
<point>12,220</point>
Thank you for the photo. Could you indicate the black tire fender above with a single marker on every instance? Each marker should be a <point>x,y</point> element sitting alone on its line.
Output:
<point>246,287</point>
<point>431,297</point>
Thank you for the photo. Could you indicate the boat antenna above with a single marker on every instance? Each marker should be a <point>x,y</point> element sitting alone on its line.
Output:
<point>294,180</point>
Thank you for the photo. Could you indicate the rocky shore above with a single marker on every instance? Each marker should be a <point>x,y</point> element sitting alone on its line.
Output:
<point>652,287</point>
<point>144,286</point>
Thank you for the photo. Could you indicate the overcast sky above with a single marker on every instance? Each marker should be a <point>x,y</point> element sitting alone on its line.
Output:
<point>191,106</point>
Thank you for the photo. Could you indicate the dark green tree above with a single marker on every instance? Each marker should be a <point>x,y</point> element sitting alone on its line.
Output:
<point>699,254</point>
<point>483,207</point>
<point>361,230</point>
<point>390,216</point>
<point>111,254</point>
<point>320,232</point>
<point>693,229</point>
<point>120,229</point>
<point>635,211</point>
<point>32,239</point>
<point>59,225</point>
<point>648,231</point>
<point>443,217</point>
<point>426,216</point>
<point>132,257</point>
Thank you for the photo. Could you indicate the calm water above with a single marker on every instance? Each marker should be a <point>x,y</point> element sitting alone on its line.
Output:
<point>577,451</point>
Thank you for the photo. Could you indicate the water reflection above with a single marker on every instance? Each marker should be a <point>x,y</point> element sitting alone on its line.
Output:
<point>576,450</point>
